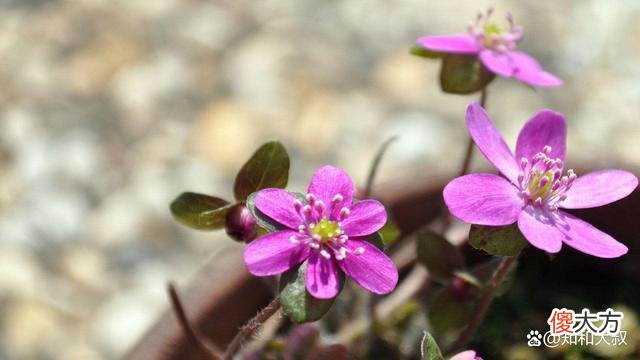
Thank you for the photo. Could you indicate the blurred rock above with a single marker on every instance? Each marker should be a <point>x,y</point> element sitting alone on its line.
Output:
<point>226,132</point>
<point>31,330</point>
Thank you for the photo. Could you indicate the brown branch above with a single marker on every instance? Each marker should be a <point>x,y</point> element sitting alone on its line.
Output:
<point>250,327</point>
<point>206,352</point>
<point>482,305</point>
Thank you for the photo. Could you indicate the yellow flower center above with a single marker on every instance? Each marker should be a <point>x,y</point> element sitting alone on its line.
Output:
<point>326,230</point>
<point>534,184</point>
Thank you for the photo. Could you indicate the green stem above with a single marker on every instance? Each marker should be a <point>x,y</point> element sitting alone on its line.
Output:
<point>370,300</point>
<point>373,170</point>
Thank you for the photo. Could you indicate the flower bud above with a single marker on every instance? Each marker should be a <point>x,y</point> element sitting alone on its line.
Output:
<point>241,226</point>
<point>460,288</point>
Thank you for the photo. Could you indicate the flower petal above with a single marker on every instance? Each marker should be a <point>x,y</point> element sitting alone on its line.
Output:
<point>546,127</point>
<point>322,277</point>
<point>548,231</point>
<point>329,181</point>
<point>540,230</point>
<point>490,142</point>
<point>519,65</point>
<point>584,237</point>
<point>278,205</point>
<point>372,269</point>
<point>599,188</point>
<point>483,199</point>
<point>466,355</point>
<point>498,63</point>
<point>274,253</point>
<point>365,217</point>
<point>452,44</point>
<point>527,70</point>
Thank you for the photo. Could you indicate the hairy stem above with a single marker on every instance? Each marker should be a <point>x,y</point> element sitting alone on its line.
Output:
<point>482,305</point>
<point>250,327</point>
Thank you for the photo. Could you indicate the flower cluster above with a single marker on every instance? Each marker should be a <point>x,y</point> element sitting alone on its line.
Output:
<point>535,188</point>
<point>327,229</point>
<point>495,47</point>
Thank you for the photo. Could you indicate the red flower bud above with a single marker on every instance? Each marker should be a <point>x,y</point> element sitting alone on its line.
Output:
<point>241,226</point>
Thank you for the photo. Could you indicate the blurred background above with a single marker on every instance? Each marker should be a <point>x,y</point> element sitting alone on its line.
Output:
<point>111,108</point>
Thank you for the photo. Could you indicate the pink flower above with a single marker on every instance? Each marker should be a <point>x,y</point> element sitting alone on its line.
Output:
<point>328,230</point>
<point>496,49</point>
<point>466,355</point>
<point>535,189</point>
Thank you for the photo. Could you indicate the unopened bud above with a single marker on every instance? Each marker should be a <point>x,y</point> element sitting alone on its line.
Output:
<point>460,288</point>
<point>241,226</point>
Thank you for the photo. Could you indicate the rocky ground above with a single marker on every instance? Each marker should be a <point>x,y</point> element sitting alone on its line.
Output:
<point>109,109</point>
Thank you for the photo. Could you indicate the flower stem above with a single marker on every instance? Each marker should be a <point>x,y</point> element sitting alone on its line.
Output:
<point>369,299</point>
<point>483,304</point>
<point>250,327</point>
<point>373,170</point>
<point>206,352</point>
<point>466,163</point>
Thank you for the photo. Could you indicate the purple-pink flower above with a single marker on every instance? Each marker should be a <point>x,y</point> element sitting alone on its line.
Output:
<point>496,49</point>
<point>535,188</point>
<point>328,229</point>
<point>466,355</point>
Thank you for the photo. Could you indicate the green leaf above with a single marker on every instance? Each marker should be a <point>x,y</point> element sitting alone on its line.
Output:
<point>296,301</point>
<point>463,74</point>
<point>202,212</point>
<point>497,240</point>
<point>441,258</point>
<point>263,220</point>
<point>376,239</point>
<point>268,167</point>
<point>418,50</point>
<point>429,349</point>
<point>389,233</point>
<point>447,313</point>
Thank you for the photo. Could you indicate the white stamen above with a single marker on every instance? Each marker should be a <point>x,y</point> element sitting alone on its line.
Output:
<point>310,199</point>
<point>325,254</point>
<point>306,210</point>
<point>314,245</point>
<point>344,213</point>
<point>337,198</point>
<point>294,240</point>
